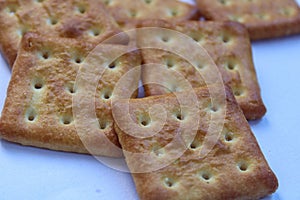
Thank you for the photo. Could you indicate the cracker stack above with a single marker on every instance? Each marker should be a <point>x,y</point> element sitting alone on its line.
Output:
<point>72,84</point>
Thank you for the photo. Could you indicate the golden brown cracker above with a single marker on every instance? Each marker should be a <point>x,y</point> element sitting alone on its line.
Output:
<point>227,44</point>
<point>84,20</point>
<point>234,168</point>
<point>135,10</point>
<point>263,19</point>
<point>44,95</point>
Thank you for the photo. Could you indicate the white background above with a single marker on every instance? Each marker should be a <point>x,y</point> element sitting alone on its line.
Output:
<point>32,173</point>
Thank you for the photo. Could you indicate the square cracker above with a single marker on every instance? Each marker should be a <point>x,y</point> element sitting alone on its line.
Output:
<point>85,20</point>
<point>135,10</point>
<point>227,43</point>
<point>46,91</point>
<point>234,168</point>
<point>264,19</point>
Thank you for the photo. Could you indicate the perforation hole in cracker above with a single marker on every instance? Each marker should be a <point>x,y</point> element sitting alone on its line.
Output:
<point>148,1</point>
<point>201,65</point>
<point>195,144</point>
<point>133,13</point>
<point>95,32</point>
<point>226,38</point>
<point>107,2</point>
<point>205,176</point>
<point>197,37</point>
<point>106,94</point>
<point>30,115</point>
<point>165,38</point>
<point>231,64</point>
<point>224,2</point>
<point>173,12</point>
<point>113,65</point>
<point>243,166</point>
<point>228,136</point>
<point>288,11</point>
<point>103,124</point>
<point>38,84</point>
<point>44,54</point>
<point>52,21</point>
<point>239,91</point>
<point>262,16</point>
<point>81,9</point>
<point>213,108</point>
<point>179,116</point>
<point>66,119</point>
<point>144,120</point>
<point>12,9</point>
<point>169,182</point>
<point>170,63</point>
<point>157,150</point>
<point>70,88</point>
<point>76,56</point>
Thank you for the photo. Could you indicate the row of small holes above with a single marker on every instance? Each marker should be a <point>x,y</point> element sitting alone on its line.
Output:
<point>205,175</point>
<point>262,16</point>
<point>78,60</point>
<point>225,39</point>
<point>134,13</point>
<point>65,120</point>
<point>227,2</point>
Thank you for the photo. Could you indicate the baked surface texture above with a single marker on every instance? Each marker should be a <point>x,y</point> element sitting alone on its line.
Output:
<point>227,44</point>
<point>85,20</point>
<point>263,19</point>
<point>41,99</point>
<point>234,168</point>
<point>135,10</point>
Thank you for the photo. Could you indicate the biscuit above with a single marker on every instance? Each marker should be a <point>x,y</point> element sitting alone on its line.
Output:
<point>234,168</point>
<point>227,43</point>
<point>41,99</point>
<point>263,19</point>
<point>135,10</point>
<point>85,20</point>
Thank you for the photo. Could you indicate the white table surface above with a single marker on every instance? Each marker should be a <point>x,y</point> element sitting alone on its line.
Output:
<point>32,173</point>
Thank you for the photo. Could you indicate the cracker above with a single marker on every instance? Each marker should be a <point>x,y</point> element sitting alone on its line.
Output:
<point>134,10</point>
<point>85,20</point>
<point>41,100</point>
<point>264,19</point>
<point>235,168</point>
<point>228,45</point>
